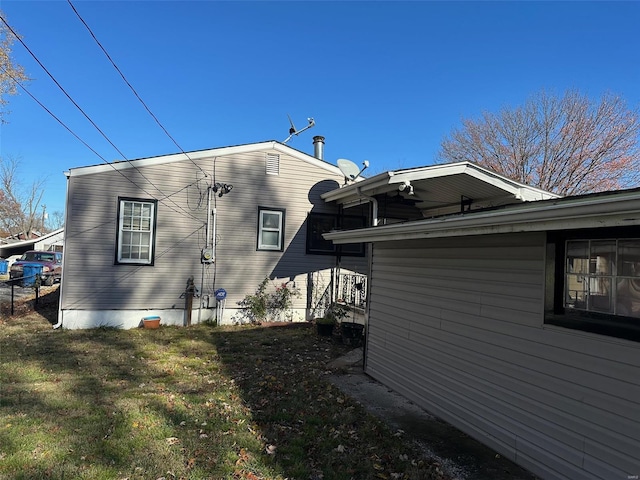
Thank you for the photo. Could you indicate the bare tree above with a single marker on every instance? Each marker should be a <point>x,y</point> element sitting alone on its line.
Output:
<point>19,204</point>
<point>55,220</point>
<point>10,72</point>
<point>568,145</point>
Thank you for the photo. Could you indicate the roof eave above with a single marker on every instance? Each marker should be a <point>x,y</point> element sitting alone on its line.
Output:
<point>200,154</point>
<point>619,210</point>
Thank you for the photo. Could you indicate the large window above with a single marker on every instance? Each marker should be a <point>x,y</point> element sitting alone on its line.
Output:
<point>320,223</point>
<point>597,284</point>
<point>271,229</point>
<point>136,231</point>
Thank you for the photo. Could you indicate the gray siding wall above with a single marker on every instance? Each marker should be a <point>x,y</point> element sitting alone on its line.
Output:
<point>93,282</point>
<point>456,325</point>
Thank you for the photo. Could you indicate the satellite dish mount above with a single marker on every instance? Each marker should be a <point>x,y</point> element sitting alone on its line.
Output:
<point>293,131</point>
<point>350,170</point>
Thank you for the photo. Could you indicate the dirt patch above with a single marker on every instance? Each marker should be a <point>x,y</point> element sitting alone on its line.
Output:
<point>30,305</point>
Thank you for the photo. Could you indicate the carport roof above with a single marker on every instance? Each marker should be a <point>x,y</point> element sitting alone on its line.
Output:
<point>604,209</point>
<point>440,186</point>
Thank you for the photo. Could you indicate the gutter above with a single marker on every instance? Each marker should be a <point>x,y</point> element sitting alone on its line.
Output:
<point>558,214</point>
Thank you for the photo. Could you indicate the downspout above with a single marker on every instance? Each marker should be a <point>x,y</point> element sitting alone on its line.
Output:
<point>374,223</point>
<point>64,257</point>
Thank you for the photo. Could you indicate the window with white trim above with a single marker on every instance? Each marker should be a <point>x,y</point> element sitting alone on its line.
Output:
<point>136,231</point>
<point>271,229</point>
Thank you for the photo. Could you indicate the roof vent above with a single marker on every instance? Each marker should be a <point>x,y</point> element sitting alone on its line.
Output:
<point>273,164</point>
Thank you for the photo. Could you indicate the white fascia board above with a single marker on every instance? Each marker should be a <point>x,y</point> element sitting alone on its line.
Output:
<point>617,210</point>
<point>392,178</point>
<point>200,154</point>
<point>351,191</point>
<point>519,190</point>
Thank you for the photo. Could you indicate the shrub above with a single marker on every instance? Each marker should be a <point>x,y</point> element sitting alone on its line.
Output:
<point>266,305</point>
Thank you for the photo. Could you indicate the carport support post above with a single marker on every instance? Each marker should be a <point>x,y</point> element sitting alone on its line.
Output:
<point>188,300</point>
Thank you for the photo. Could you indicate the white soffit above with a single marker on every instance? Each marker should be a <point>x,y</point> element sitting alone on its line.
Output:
<point>456,179</point>
<point>611,209</point>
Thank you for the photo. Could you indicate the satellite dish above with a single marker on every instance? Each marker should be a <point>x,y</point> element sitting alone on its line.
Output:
<point>350,170</point>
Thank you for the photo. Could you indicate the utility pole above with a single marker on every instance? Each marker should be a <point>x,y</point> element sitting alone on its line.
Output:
<point>44,217</point>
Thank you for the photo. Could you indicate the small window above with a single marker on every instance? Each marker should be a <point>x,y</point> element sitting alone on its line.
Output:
<point>318,224</point>
<point>596,283</point>
<point>321,223</point>
<point>270,229</point>
<point>136,231</point>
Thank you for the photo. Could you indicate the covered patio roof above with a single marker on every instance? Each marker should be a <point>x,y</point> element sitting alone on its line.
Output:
<point>439,189</point>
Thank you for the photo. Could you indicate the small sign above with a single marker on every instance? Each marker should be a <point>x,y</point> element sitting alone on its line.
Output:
<point>221,294</point>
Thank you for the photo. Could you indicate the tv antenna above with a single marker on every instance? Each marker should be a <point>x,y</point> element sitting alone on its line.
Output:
<point>293,131</point>
<point>350,170</point>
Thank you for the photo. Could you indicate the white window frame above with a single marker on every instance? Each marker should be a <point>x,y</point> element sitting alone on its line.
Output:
<point>279,229</point>
<point>150,232</point>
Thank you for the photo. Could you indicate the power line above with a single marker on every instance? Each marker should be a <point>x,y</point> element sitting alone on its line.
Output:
<point>162,199</point>
<point>88,118</point>
<point>131,87</point>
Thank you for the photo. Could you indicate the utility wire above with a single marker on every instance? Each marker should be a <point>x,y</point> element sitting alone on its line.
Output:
<point>133,89</point>
<point>162,199</point>
<point>89,118</point>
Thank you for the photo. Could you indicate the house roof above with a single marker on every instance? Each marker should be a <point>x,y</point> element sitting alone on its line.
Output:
<point>605,209</point>
<point>30,241</point>
<point>438,188</point>
<point>271,145</point>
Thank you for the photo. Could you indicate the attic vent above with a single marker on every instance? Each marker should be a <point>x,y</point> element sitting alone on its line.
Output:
<point>273,164</point>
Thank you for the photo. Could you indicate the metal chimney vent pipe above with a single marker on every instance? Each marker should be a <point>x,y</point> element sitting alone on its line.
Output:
<point>318,147</point>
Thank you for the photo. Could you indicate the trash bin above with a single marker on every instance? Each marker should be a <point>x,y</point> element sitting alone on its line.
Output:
<point>30,272</point>
<point>3,267</point>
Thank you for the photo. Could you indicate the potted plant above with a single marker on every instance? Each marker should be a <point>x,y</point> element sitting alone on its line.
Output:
<point>334,314</point>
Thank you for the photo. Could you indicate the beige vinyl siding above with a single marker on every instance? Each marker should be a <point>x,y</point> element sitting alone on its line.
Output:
<point>456,325</point>
<point>93,281</point>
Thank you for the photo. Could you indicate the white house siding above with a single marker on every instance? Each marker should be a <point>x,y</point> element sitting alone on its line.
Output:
<point>456,325</point>
<point>97,292</point>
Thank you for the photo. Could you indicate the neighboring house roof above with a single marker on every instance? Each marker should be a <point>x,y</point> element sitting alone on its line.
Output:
<point>605,209</point>
<point>195,155</point>
<point>438,189</point>
<point>25,244</point>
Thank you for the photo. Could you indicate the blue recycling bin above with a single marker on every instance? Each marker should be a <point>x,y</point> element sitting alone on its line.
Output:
<point>30,272</point>
<point>3,267</point>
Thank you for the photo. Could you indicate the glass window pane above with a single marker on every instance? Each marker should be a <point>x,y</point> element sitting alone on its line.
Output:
<point>270,220</point>
<point>270,239</point>
<point>126,251</point>
<point>576,292</point>
<point>628,297</point>
<point>128,208</point>
<point>137,209</point>
<point>603,255</point>
<point>600,299</point>
<point>629,258</point>
<point>578,257</point>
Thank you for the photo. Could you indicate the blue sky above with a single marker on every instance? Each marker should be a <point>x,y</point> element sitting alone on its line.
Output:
<point>384,81</point>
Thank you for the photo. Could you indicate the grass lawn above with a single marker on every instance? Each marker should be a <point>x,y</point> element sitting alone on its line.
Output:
<point>184,403</point>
